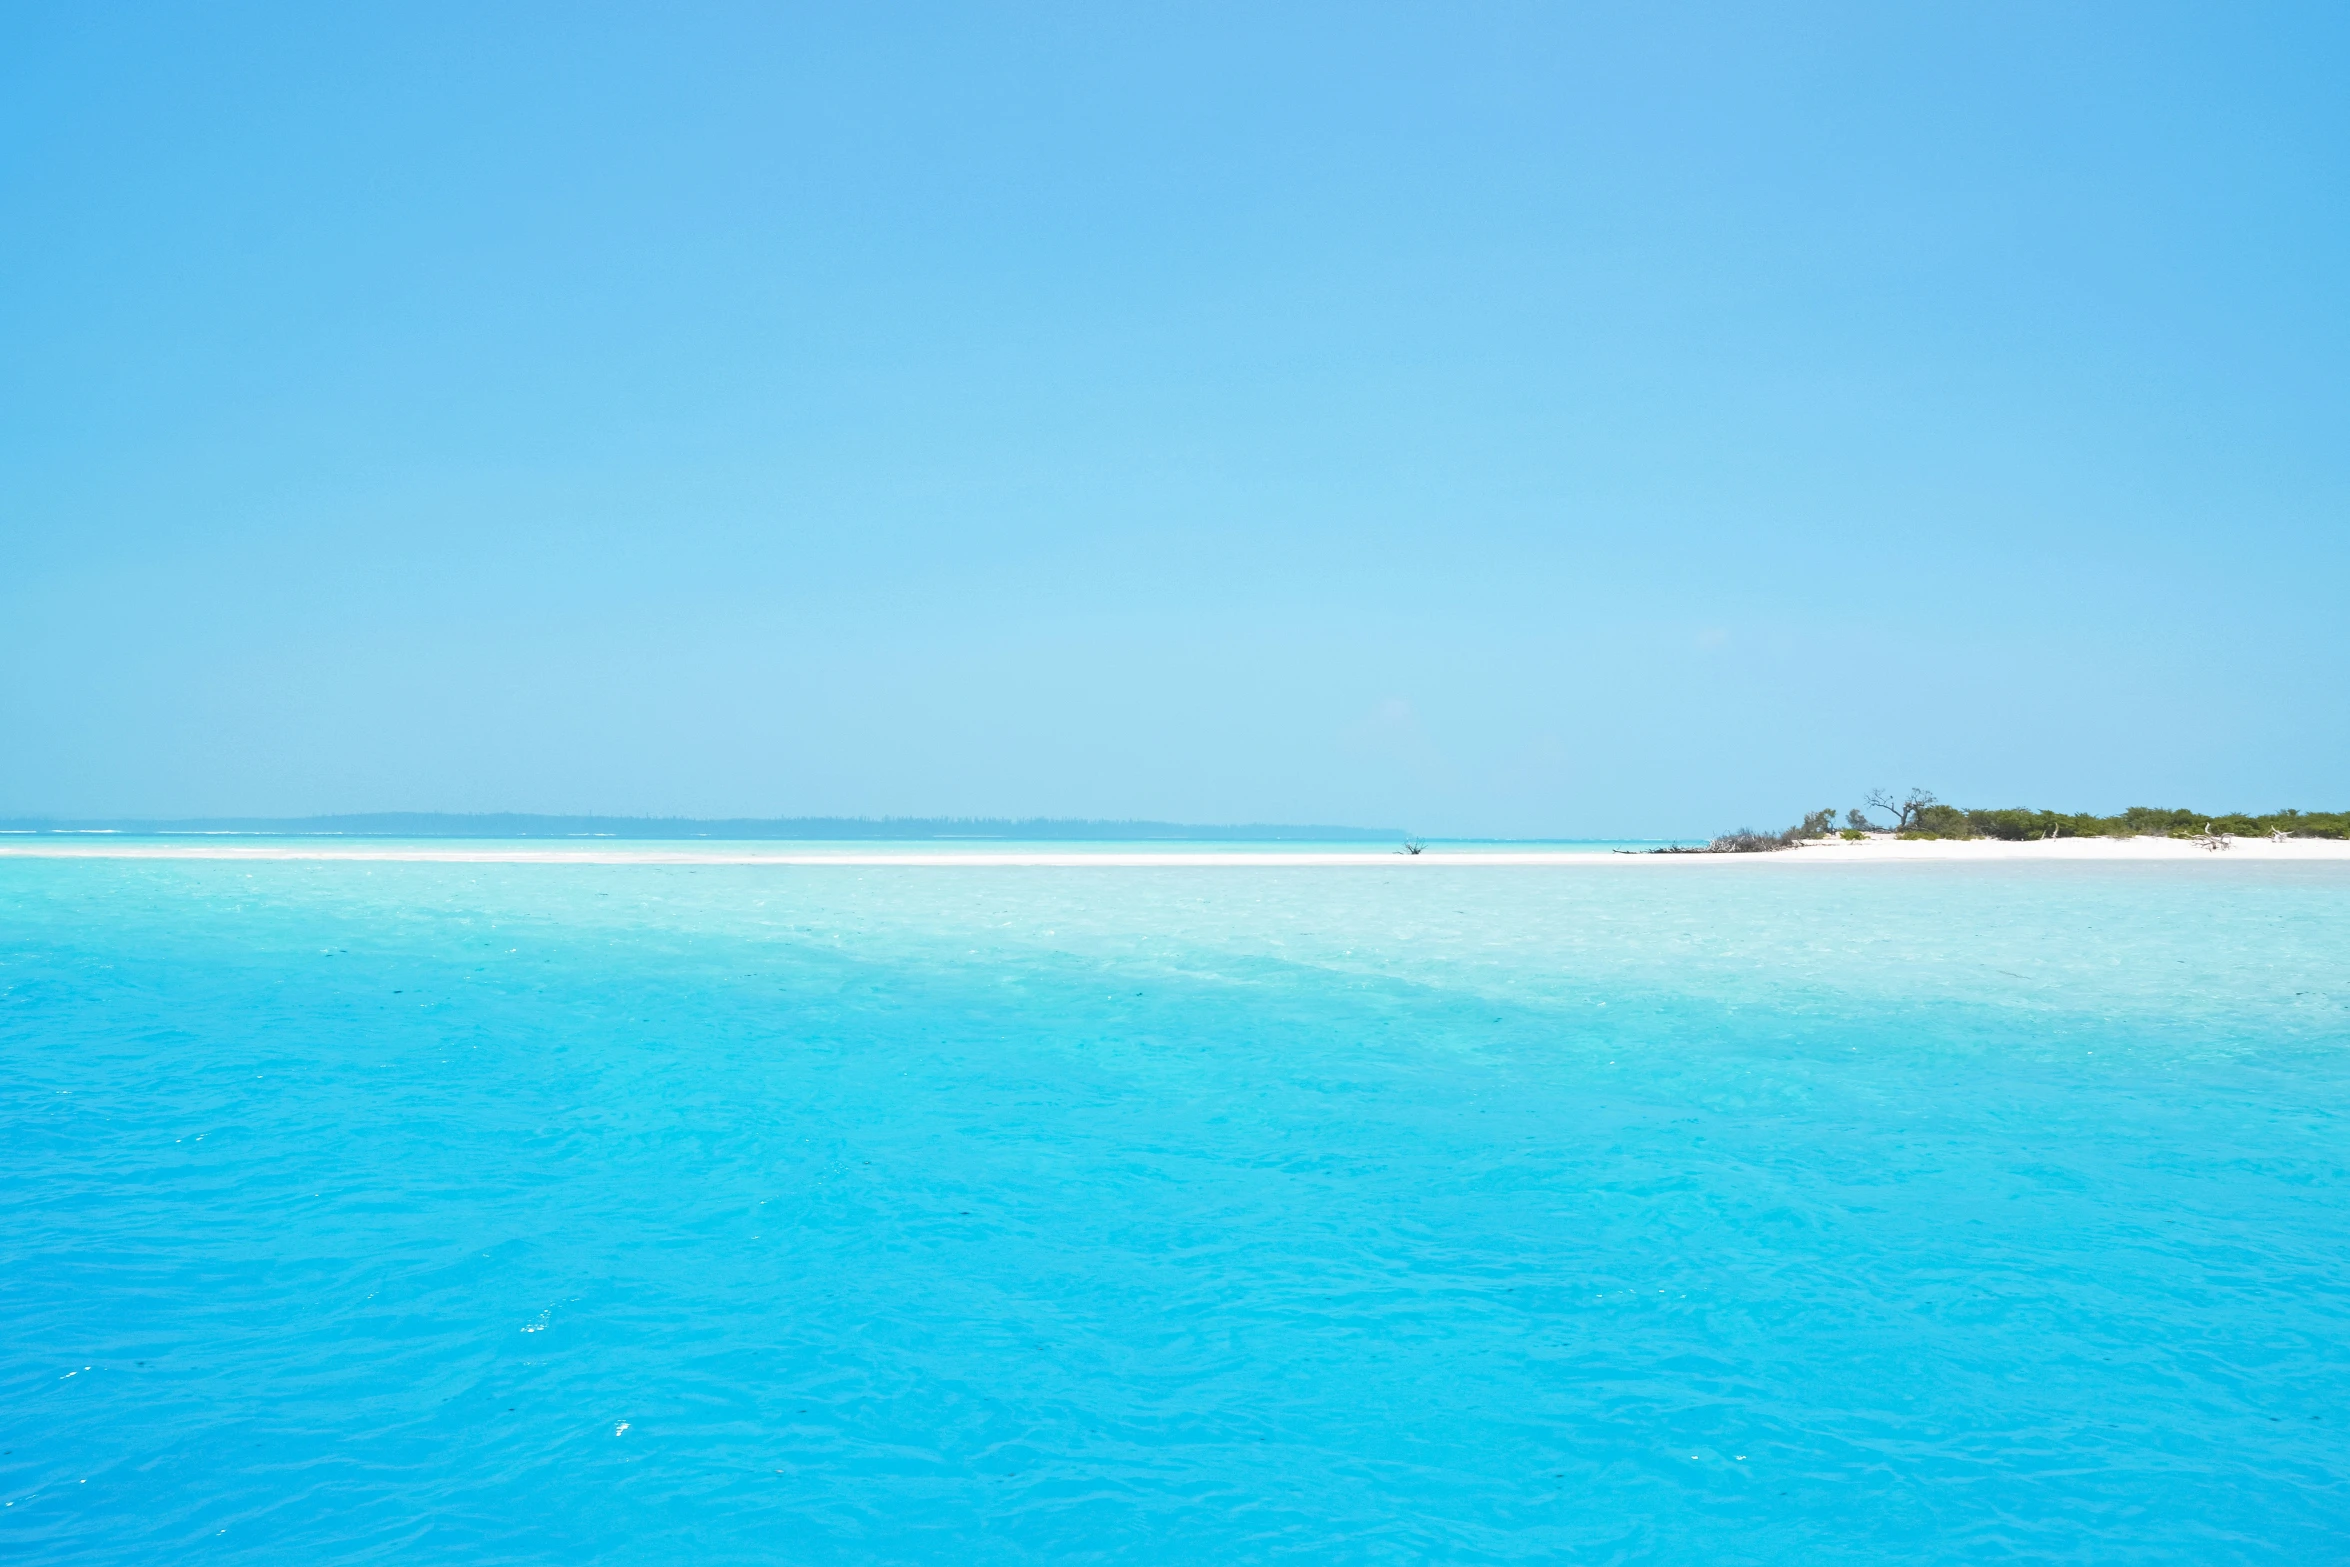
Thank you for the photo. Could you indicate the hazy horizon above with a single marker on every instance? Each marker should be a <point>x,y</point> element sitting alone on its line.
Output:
<point>517,823</point>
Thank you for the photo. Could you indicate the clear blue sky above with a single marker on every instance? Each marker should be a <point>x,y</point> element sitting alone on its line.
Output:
<point>1492,419</point>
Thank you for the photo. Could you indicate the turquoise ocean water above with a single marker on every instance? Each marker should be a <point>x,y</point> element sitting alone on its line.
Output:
<point>1721,1213</point>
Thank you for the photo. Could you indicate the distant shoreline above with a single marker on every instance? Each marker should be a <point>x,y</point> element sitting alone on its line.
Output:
<point>1875,851</point>
<point>727,829</point>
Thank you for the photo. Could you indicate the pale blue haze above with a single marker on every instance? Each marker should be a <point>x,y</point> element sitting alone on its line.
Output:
<point>1636,1212</point>
<point>1525,420</point>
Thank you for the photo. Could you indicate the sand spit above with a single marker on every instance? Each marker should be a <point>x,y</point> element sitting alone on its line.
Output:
<point>1874,851</point>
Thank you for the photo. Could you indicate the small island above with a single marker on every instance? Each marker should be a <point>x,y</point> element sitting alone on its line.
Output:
<point>1920,817</point>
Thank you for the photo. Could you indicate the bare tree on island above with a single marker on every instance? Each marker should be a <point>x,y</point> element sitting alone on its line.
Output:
<point>1904,811</point>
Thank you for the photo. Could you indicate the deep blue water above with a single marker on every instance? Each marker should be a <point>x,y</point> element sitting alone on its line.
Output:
<point>1715,1213</point>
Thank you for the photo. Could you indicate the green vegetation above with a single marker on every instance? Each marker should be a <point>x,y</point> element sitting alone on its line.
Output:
<point>1932,819</point>
<point>2141,821</point>
<point>1816,825</point>
<point>1747,841</point>
<point>1919,815</point>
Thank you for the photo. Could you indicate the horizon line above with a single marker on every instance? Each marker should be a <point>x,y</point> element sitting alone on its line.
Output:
<point>532,824</point>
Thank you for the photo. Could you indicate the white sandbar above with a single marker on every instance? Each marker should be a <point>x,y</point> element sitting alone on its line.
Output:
<point>1874,851</point>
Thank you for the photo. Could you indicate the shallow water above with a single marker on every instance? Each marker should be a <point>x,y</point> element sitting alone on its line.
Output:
<point>555,1213</point>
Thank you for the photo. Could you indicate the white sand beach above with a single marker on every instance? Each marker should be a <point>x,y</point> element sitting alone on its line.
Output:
<point>1880,850</point>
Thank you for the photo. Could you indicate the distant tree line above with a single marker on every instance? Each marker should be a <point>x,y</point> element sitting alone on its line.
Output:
<point>1919,814</point>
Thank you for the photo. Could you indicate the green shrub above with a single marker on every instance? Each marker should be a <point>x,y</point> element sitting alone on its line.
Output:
<point>2012,825</point>
<point>2316,824</point>
<point>1815,824</point>
<point>1852,835</point>
<point>1940,821</point>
